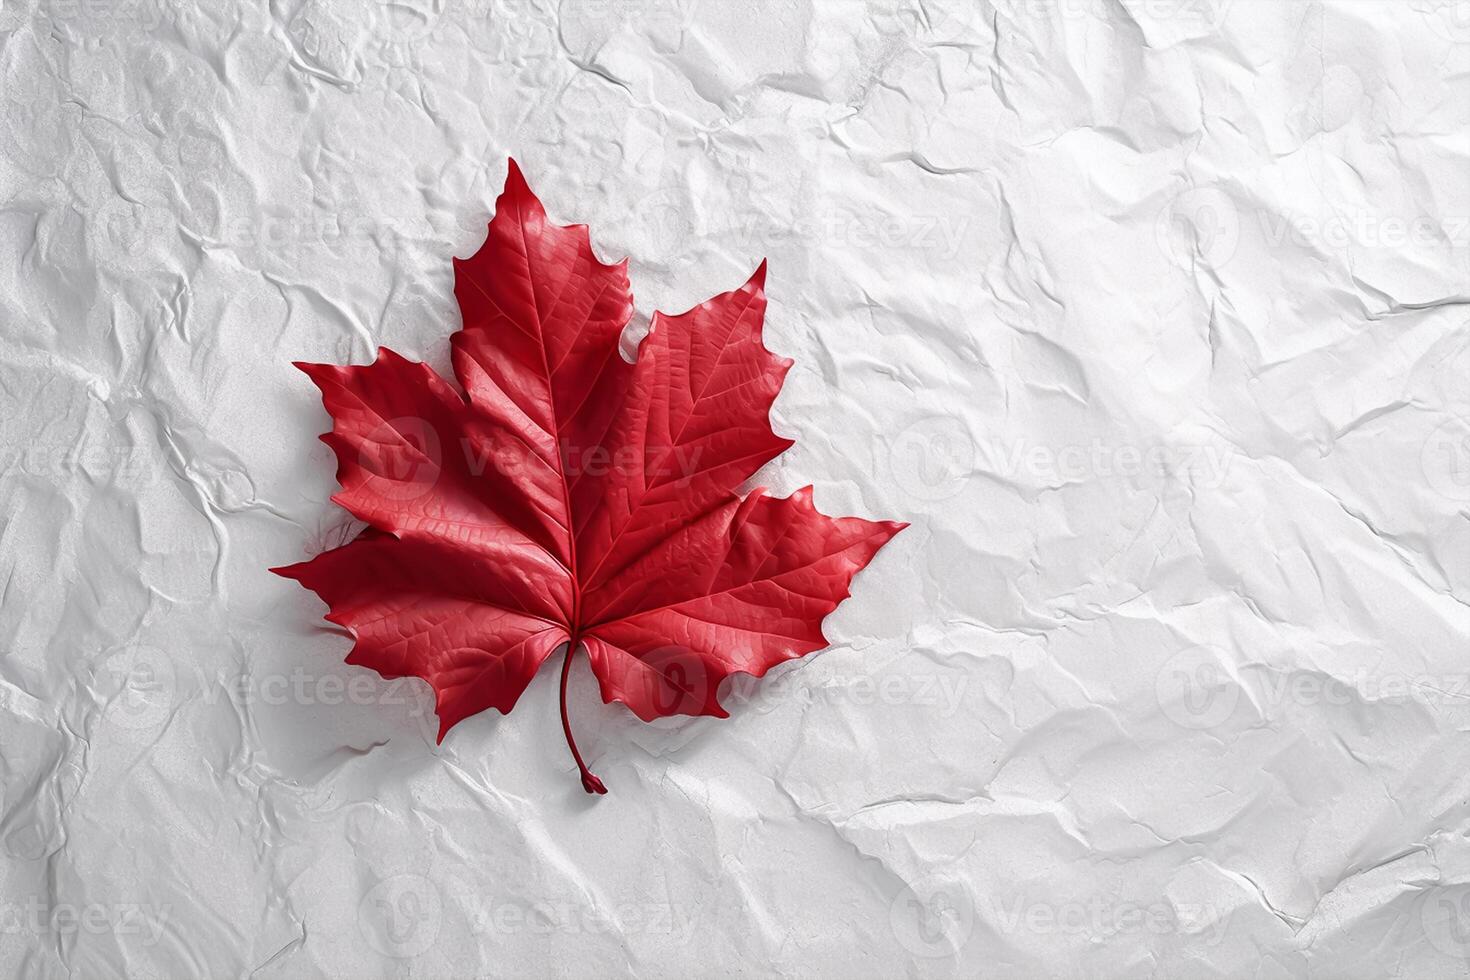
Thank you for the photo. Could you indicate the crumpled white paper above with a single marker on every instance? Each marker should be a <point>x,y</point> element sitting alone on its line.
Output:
<point>1151,316</point>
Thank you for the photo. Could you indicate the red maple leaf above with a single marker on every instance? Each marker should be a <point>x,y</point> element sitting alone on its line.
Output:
<point>569,496</point>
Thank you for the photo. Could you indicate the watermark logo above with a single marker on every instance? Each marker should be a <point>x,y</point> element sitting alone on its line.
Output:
<point>1200,225</point>
<point>676,681</point>
<point>400,916</point>
<point>1445,915</point>
<point>933,919</point>
<point>1448,18</point>
<point>139,686</point>
<point>407,22</point>
<point>932,458</point>
<point>663,221</point>
<point>128,237</point>
<point>1445,459</point>
<point>404,457</point>
<point>1195,690</point>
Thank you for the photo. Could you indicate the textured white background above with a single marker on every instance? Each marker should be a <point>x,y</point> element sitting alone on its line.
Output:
<point>1151,316</point>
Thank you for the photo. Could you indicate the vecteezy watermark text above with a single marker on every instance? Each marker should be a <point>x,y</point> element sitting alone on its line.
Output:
<point>1107,917</point>
<point>1197,689</point>
<point>941,691</point>
<point>94,460</point>
<point>508,917</point>
<point>1204,465</point>
<point>37,918</point>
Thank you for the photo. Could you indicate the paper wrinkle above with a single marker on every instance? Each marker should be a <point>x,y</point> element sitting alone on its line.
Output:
<point>1152,316</point>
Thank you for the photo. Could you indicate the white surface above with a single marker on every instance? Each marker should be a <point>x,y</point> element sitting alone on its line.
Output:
<point>1149,314</point>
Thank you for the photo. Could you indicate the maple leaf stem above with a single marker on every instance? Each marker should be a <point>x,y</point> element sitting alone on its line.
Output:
<point>589,782</point>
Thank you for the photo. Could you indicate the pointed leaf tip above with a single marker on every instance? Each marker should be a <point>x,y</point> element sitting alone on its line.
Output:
<point>515,182</point>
